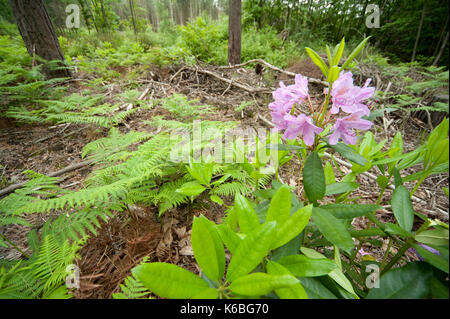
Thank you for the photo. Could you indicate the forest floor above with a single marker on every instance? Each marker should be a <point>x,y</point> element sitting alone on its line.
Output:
<point>122,243</point>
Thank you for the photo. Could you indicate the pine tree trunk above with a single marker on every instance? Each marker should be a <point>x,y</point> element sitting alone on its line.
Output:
<point>132,16</point>
<point>418,32</point>
<point>234,32</point>
<point>105,20</point>
<point>38,33</point>
<point>444,44</point>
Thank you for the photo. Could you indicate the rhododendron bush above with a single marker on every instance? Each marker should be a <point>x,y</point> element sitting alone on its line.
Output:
<point>300,241</point>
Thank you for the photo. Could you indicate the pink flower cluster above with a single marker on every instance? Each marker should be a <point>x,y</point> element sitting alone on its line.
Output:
<point>344,96</point>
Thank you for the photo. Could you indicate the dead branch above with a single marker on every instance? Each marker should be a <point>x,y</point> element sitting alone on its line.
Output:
<point>270,66</point>
<point>230,82</point>
<point>65,170</point>
<point>129,106</point>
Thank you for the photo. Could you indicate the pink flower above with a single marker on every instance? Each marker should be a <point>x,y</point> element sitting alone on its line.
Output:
<point>301,125</point>
<point>348,97</point>
<point>342,128</point>
<point>285,97</point>
<point>300,88</point>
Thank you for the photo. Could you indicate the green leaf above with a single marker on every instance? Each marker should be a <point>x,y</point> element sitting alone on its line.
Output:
<point>283,147</point>
<point>397,230</point>
<point>349,153</point>
<point>293,226</point>
<point>169,281</point>
<point>247,218</point>
<point>292,292</point>
<point>382,181</point>
<point>435,260</point>
<point>229,237</point>
<point>317,61</point>
<point>396,149</point>
<point>302,266</point>
<point>333,74</point>
<point>341,187</point>
<point>329,174</point>
<point>332,229</point>
<point>208,249</point>
<point>336,274</point>
<point>280,206</point>
<point>314,178</point>
<point>338,54</point>
<point>253,248</point>
<point>259,283</point>
<point>438,237</point>
<point>402,208</point>
<point>216,199</point>
<point>354,53</point>
<point>208,293</point>
<point>408,282</point>
<point>315,289</point>
<point>193,188</point>
<point>330,56</point>
<point>348,211</point>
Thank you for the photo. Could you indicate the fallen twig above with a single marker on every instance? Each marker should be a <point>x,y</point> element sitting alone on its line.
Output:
<point>129,106</point>
<point>235,83</point>
<point>270,66</point>
<point>67,169</point>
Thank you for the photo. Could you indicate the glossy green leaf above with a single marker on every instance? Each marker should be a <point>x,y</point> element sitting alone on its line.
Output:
<point>259,283</point>
<point>338,54</point>
<point>293,226</point>
<point>191,189</point>
<point>253,248</point>
<point>333,74</point>
<point>348,211</point>
<point>229,237</point>
<point>402,208</point>
<point>438,236</point>
<point>408,282</point>
<point>208,293</point>
<point>349,153</point>
<point>208,249</point>
<point>341,187</point>
<point>216,199</point>
<point>317,61</point>
<point>332,229</point>
<point>382,181</point>
<point>314,178</point>
<point>292,292</point>
<point>433,259</point>
<point>280,206</point>
<point>354,53</point>
<point>329,174</point>
<point>396,230</point>
<point>302,266</point>
<point>169,281</point>
<point>336,274</point>
<point>283,147</point>
<point>247,218</point>
<point>315,289</point>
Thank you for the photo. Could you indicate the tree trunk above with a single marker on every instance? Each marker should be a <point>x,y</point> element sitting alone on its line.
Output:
<point>441,50</point>
<point>438,45</point>
<point>418,32</point>
<point>234,32</point>
<point>133,17</point>
<point>37,31</point>
<point>105,20</point>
